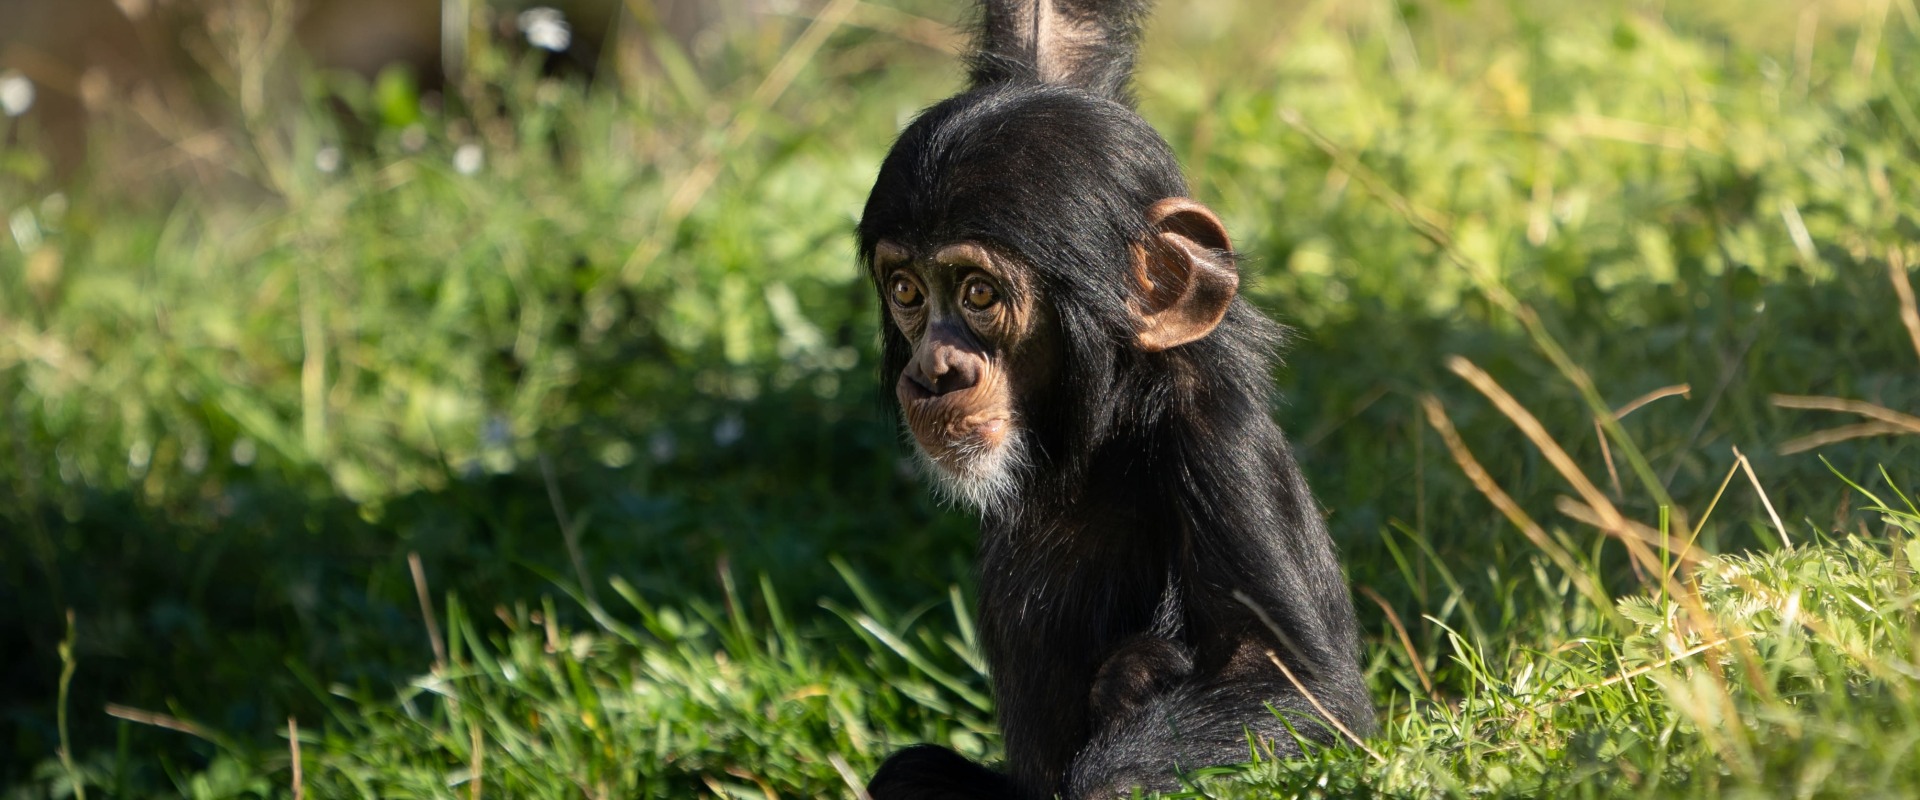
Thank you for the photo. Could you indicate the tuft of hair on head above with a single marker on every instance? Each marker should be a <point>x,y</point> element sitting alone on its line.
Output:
<point>1083,44</point>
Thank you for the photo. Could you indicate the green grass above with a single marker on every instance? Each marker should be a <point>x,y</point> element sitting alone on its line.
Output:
<point>616,390</point>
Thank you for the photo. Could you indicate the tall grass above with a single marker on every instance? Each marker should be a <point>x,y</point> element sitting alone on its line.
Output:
<point>370,468</point>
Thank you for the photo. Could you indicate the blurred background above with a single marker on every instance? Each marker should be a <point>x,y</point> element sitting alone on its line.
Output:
<point>560,301</point>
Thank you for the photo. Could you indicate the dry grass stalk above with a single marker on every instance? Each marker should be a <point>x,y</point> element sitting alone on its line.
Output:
<point>1612,521</point>
<point>1639,671</point>
<point>426,611</point>
<point>1851,407</point>
<point>1694,534</point>
<point>1600,428</point>
<point>1406,642</point>
<point>1267,620</point>
<point>158,720</point>
<point>1483,481</point>
<point>1584,514</point>
<point>1764,500</point>
<point>854,785</point>
<point>1662,393</point>
<point>293,747</point>
<point>1843,433</point>
<point>766,789</point>
<point>1906,422</point>
<point>1324,713</point>
<point>1909,311</point>
<point>478,743</point>
<point>1606,457</point>
<point>1883,421</point>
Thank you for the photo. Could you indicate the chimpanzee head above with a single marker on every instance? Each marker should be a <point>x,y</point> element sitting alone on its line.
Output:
<point>1032,245</point>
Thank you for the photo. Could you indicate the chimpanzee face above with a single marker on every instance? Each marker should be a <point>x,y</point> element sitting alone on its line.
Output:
<point>972,319</point>
<point>983,348</point>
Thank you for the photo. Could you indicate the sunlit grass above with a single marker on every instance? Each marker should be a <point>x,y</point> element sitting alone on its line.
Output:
<point>1607,364</point>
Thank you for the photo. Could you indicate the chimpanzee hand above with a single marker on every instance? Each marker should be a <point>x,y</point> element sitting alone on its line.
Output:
<point>1134,673</point>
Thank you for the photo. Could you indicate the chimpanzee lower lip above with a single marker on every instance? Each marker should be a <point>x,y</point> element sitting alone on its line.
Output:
<point>961,443</point>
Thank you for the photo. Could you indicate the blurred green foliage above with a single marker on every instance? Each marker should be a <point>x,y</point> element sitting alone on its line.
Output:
<point>244,374</point>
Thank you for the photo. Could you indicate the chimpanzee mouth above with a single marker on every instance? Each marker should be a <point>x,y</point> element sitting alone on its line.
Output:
<point>975,461</point>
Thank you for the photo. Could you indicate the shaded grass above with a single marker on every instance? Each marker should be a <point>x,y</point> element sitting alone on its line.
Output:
<point>240,394</point>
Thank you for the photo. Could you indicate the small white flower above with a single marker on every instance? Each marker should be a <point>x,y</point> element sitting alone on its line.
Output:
<point>546,28</point>
<point>468,159</point>
<point>244,451</point>
<point>327,159</point>
<point>16,93</point>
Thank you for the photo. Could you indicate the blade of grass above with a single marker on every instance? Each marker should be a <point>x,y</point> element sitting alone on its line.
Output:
<point>1406,642</point>
<point>1586,515</point>
<point>166,721</point>
<point>919,661</point>
<point>1247,601</point>
<point>1613,522</point>
<point>426,611</point>
<point>293,755</point>
<point>1906,422</point>
<point>1642,670</point>
<point>569,532</point>
<point>854,785</point>
<point>68,664</point>
<point>1764,499</point>
<point>1817,439</point>
<point>1909,311</point>
<point>1483,481</point>
<point>1662,393</point>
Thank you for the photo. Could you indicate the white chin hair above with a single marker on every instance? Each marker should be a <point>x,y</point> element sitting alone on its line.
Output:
<point>983,477</point>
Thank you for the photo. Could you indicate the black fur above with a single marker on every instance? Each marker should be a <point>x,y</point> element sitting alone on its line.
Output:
<point>1162,487</point>
<point>1085,44</point>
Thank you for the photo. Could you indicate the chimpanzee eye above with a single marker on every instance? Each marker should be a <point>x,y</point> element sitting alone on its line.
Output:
<point>980,295</point>
<point>905,294</point>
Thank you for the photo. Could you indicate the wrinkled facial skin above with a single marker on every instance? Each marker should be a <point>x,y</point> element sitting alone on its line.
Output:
<point>969,316</point>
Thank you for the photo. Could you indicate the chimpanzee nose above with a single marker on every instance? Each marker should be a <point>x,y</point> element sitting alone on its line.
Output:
<point>943,368</point>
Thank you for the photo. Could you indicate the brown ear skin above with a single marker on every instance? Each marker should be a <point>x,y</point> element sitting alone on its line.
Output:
<point>1184,277</point>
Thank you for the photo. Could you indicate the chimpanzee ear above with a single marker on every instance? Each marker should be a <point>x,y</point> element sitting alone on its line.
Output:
<point>1184,274</point>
